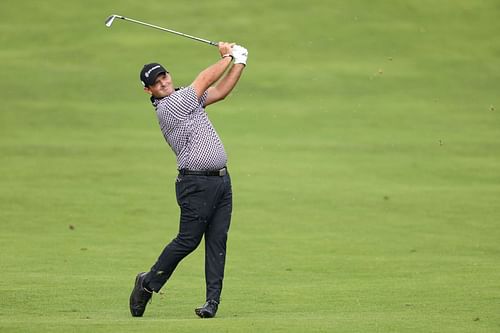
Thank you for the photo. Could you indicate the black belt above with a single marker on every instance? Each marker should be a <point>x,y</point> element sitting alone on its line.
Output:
<point>220,173</point>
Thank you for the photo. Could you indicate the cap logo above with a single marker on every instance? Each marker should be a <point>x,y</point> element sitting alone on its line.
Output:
<point>152,69</point>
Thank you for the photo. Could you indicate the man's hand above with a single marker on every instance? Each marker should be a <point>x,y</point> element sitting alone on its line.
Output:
<point>240,54</point>
<point>225,49</point>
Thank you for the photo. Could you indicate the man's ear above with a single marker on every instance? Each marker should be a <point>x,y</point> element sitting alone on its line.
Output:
<point>148,91</point>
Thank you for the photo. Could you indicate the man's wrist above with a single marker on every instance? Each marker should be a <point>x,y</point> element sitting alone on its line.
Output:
<point>227,55</point>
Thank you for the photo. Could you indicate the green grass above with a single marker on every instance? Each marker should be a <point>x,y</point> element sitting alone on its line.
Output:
<point>364,150</point>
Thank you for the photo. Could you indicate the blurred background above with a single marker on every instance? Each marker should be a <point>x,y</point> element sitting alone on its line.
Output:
<point>363,144</point>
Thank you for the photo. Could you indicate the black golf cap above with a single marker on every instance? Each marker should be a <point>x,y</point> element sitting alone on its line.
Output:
<point>150,72</point>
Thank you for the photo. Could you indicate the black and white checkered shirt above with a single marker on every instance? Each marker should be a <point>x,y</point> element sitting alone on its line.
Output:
<point>187,129</point>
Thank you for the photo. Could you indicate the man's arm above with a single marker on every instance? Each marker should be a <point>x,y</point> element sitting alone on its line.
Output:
<point>214,72</point>
<point>225,85</point>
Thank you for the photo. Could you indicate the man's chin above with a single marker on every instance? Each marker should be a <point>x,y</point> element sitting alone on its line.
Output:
<point>161,95</point>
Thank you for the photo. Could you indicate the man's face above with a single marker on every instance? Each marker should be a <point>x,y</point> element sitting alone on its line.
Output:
<point>162,87</point>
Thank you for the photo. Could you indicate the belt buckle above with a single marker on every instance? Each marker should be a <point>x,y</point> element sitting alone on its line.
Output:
<point>222,172</point>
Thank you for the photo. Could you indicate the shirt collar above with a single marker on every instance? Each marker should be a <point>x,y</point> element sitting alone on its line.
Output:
<point>155,101</point>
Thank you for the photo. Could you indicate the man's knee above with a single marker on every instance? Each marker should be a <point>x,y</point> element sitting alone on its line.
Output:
<point>188,243</point>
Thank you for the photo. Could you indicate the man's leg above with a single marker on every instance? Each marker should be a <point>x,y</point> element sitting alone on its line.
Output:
<point>190,234</point>
<point>192,199</point>
<point>215,250</point>
<point>187,240</point>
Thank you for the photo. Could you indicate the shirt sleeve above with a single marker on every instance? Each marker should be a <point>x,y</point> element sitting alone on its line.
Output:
<point>203,98</point>
<point>182,102</point>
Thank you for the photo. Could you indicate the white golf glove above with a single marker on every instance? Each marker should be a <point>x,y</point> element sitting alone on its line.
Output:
<point>240,54</point>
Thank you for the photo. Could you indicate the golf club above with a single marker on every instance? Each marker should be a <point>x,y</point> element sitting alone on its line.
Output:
<point>110,19</point>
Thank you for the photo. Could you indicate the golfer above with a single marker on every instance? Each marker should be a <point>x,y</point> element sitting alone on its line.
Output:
<point>203,185</point>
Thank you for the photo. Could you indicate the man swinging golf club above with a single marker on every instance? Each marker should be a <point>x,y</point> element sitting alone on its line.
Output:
<point>203,185</point>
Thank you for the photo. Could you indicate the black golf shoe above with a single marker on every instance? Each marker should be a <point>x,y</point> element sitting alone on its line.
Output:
<point>208,310</point>
<point>139,297</point>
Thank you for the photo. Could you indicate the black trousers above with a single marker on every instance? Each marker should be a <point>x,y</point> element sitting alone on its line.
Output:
<point>206,205</point>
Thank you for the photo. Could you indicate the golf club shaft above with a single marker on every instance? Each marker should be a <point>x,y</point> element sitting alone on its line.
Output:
<point>167,30</point>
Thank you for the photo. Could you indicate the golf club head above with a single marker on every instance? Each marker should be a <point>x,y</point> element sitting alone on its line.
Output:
<point>109,20</point>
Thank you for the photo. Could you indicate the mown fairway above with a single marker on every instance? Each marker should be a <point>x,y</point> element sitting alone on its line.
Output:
<point>364,147</point>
